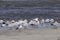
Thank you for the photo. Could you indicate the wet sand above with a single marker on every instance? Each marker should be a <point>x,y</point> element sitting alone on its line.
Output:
<point>31,34</point>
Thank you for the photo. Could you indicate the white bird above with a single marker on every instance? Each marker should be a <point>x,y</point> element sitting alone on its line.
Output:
<point>36,19</point>
<point>1,21</point>
<point>55,23</point>
<point>47,20</point>
<point>51,20</point>
<point>8,22</point>
<point>42,21</point>
<point>20,27</point>
<point>20,21</point>
<point>3,25</point>
<point>34,22</point>
<point>12,24</point>
<point>12,21</point>
<point>25,21</point>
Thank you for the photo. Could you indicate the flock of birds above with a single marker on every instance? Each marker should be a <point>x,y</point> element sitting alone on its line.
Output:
<point>27,24</point>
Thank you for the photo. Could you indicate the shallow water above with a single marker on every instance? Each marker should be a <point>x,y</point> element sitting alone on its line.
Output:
<point>30,12</point>
<point>45,9</point>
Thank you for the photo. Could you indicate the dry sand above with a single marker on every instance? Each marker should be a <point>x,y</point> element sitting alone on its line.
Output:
<point>33,34</point>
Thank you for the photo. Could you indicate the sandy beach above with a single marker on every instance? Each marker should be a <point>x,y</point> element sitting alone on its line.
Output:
<point>31,34</point>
